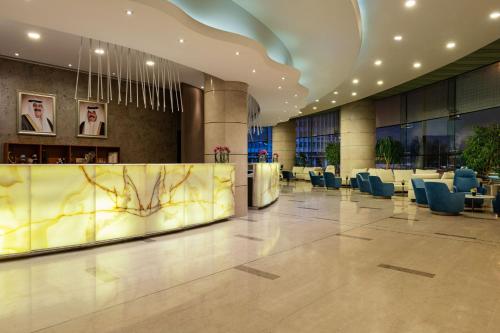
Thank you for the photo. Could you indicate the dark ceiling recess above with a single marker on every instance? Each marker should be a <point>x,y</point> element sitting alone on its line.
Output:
<point>482,57</point>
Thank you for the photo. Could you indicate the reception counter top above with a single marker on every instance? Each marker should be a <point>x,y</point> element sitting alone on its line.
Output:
<point>53,207</point>
<point>266,184</point>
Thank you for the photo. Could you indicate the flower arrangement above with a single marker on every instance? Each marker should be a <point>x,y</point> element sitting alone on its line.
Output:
<point>263,152</point>
<point>221,154</point>
<point>262,156</point>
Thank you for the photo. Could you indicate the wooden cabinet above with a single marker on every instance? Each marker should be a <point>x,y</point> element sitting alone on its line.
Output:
<point>51,154</point>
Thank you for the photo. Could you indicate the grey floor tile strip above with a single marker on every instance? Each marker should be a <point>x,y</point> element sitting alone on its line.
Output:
<point>407,270</point>
<point>451,235</point>
<point>356,237</point>
<point>402,218</point>
<point>308,208</point>
<point>371,207</point>
<point>149,240</point>
<point>325,218</point>
<point>257,272</point>
<point>297,200</point>
<point>246,219</point>
<point>250,237</point>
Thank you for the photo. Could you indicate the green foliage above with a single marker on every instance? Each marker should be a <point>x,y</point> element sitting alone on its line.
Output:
<point>482,150</point>
<point>389,151</point>
<point>301,159</point>
<point>332,152</point>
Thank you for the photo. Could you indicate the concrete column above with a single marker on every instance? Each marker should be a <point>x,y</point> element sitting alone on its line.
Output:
<point>284,143</point>
<point>357,136</point>
<point>226,116</point>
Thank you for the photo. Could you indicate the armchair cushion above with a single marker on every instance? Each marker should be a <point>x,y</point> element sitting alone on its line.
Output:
<point>386,175</point>
<point>465,180</point>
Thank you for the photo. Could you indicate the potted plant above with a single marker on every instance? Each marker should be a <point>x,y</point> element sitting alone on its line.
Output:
<point>482,150</point>
<point>262,156</point>
<point>332,153</point>
<point>221,154</point>
<point>275,157</point>
<point>389,151</point>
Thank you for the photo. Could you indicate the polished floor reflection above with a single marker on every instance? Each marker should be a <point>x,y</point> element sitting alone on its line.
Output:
<point>315,261</point>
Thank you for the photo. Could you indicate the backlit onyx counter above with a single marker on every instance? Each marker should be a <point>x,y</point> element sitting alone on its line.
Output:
<point>265,184</point>
<point>53,207</point>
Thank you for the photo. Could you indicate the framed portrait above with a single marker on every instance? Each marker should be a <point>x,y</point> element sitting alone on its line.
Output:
<point>36,113</point>
<point>92,119</point>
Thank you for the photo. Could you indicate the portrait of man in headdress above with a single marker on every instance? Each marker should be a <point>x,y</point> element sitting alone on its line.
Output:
<point>92,118</point>
<point>36,114</point>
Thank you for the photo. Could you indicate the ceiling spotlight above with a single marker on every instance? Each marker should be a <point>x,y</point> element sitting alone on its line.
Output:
<point>380,82</point>
<point>202,87</point>
<point>34,35</point>
<point>237,53</point>
<point>410,3</point>
<point>286,102</point>
<point>295,95</point>
<point>494,15</point>
<point>283,78</point>
<point>181,40</point>
<point>279,87</point>
<point>451,45</point>
<point>253,70</point>
<point>333,102</point>
<point>16,54</point>
<point>295,106</point>
<point>354,93</point>
<point>150,63</point>
<point>300,112</point>
<point>315,107</point>
<point>70,65</point>
<point>417,65</point>
<point>99,51</point>
<point>129,12</point>
<point>355,81</point>
<point>317,100</point>
<point>398,38</point>
<point>335,92</point>
<point>378,62</point>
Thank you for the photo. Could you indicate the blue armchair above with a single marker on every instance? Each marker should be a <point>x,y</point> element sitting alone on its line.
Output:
<point>287,175</point>
<point>419,190</point>
<point>380,189</point>
<point>316,180</point>
<point>331,181</point>
<point>354,183</point>
<point>363,182</point>
<point>441,201</point>
<point>464,181</point>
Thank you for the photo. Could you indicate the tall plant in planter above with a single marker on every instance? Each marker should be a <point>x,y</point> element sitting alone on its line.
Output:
<point>482,150</point>
<point>332,153</point>
<point>389,151</point>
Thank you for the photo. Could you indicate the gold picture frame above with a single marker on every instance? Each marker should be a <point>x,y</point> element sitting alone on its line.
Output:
<point>36,113</point>
<point>92,119</point>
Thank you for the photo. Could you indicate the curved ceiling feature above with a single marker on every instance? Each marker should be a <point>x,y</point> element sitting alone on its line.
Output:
<point>156,27</point>
<point>426,29</point>
<point>323,36</point>
<point>227,16</point>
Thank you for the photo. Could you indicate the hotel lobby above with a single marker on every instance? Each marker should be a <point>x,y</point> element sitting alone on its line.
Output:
<point>249,166</point>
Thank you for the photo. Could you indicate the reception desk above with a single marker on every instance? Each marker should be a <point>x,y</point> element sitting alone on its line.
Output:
<point>265,184</point>
<point>53,207</point>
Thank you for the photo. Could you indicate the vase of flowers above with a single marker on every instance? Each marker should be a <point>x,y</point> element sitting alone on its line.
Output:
<point>275,157</point>
<point>262,156</point>
<point>221,154</point>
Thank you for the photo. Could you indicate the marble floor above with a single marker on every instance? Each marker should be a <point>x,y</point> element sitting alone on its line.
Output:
<point>315,261</point>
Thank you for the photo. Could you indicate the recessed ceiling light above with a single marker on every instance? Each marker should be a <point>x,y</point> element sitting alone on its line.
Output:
<point>317,100</point>
<point>237,53</point>
<point>279,87</point>
<point>333,102</point>
<point>494,15</point>
<point>295,106</point>
<point>295,95</point>
<point>283,78</point>
<point>451,45</point>
<point>129,12</point>
<point>354,93</point>
<point>378,62</point>
<point>355,81</point>
<point>70,65</point>
<point>380,82</point>
<point>398,38</point>
<point>34,35</point>
<point>99,51</point>
<point>417,65</point>
<point>335,92</point>
<point>181,40</point>
<point>150,63</point>
<point>202,87</point>
<point>286,102</point>
<point>315,107</point>
<point>253,70</point>
<point>16,54</point>
<point>113,73</point>
<point>300,112</point>
<point>410,3</point>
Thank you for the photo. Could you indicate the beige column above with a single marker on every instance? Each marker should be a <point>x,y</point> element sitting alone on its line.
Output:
<point>284,143</point>
<point>357,136</point>
<point>226,116</point>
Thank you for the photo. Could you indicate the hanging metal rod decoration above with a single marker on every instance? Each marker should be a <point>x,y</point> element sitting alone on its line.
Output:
<point>157,81</point>
<point>253,116</point>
